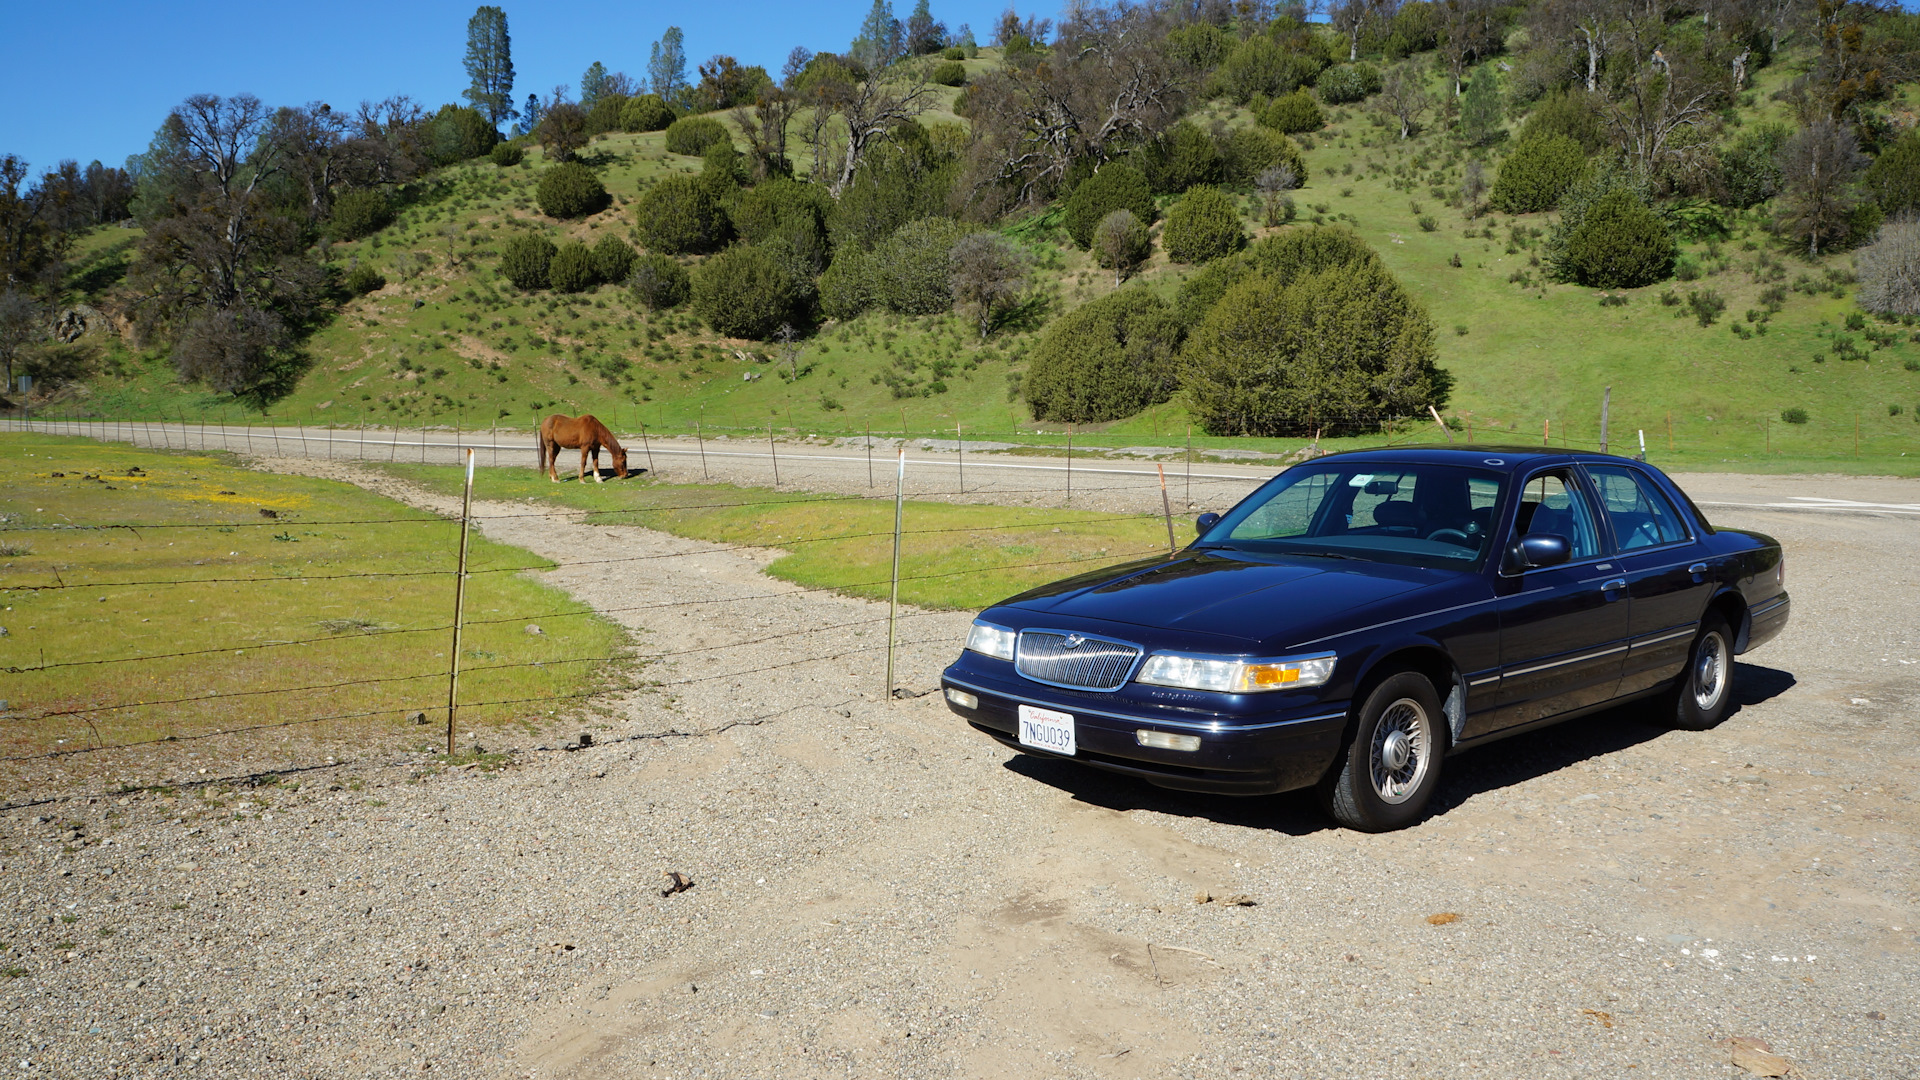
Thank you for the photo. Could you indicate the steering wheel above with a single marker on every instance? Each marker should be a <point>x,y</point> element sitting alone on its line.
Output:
<point>1452,536</point>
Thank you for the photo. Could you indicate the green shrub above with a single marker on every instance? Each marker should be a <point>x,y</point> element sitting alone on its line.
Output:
<point>1117,186</point>
<point>1247,152</point>
<point>953,52</point>
<point>912,273</point>
<point>1536,174</point>
<point>570,190</point>
<point>1345,83</point>
<point>646,113</point>
<point>1750,166</point>
<point>1200,44</point>
<point>658,282</point>
<point>1894,176</point>
<point>360,212</point>
<point>1105,360</point>
<point>677,216</point>
<point>1571,113</point>
<point>458,133</point>
<point>1261,66</point>
<point>1203,225</point>
<point>898,182</point>
<point>1621,245</point>
<point>507,155</point>
<point>1293,113</point>
<point>363,279</point>
<point>742,292</point>
<point>1284,257</point>
<point>1120,243</point>
<point>572,270</point>
<point>764,208</point>
<point>846,289</point>
<point>692,135</point>
<point>608,114</point>
<point>1332,349</point>
<point>1795,415</point>
<point>1706,305</point>
<point>950,73</point>
<point>1181,157</point>
<point>612,259</point>
<point>525,259</point>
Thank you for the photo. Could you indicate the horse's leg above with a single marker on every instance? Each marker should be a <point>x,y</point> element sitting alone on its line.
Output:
<point>552,449</point>
<point>597,478</point>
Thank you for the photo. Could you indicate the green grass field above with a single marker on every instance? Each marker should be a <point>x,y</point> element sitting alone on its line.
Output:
<point>448,342</point>
<point>139,576</point>
<point>962,557</point>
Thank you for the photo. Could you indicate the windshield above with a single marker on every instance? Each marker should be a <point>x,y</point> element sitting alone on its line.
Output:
<point>1417,515</point>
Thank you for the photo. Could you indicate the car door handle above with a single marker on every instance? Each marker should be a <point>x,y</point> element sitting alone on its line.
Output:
<point>1616,583</point>
<point>1697,569</point>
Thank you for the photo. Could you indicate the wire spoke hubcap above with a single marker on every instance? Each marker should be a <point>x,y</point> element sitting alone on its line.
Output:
<point>1400,751</point>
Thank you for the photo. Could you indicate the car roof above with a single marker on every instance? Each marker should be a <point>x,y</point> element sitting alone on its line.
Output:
<point>1498,457</point>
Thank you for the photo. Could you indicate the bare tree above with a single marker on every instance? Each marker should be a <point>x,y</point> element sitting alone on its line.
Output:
<point>1273,185</point>
<point>21,322</point>
<point>562,131</point>
<point>1473,186</point>
<point>873,108</point>
<point>1351,18</point>
<point>765,127</point>
<point>989,274</point>
<point>1120,242</point>
<point>1818,169</point>
<point>1662,101</point>
<point>1587,25</point>
<point>1403,97</point>
<point>1470,30</point>
<point>1109,83</point>
<point>1890,270</point>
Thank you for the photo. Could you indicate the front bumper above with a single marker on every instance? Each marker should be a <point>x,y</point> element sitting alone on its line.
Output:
<point>1239,754</point>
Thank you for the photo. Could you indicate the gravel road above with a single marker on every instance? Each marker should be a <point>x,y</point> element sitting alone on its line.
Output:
<point>878,891</point>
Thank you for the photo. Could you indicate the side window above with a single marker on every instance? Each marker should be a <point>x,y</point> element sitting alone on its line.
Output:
<point>1552,503</point>
<point>1640,514</point>
<point>1290,513</point>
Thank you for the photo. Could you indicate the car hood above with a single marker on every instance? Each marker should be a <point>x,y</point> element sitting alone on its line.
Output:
<point>1263,601</point>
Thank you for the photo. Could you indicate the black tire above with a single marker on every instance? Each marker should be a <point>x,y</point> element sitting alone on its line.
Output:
<point>1705,690</point>
<point>1386,774</point>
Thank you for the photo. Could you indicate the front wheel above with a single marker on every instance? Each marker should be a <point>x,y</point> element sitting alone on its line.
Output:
<point>1706,686</point>
<point>1387,773</point>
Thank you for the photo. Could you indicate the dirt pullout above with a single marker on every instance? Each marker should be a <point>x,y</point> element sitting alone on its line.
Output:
<point>879,891</point>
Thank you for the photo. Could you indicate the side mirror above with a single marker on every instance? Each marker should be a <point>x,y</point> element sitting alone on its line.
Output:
<point>1536,550</point>
<point>1204,522</point>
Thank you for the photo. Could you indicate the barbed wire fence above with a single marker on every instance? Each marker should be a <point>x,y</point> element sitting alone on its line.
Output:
<point>202,717</point>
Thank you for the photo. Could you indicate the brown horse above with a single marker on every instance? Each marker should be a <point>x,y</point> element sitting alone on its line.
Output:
<point>585,434</point>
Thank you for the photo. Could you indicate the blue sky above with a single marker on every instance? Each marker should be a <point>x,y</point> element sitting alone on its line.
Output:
<point>93,80</point>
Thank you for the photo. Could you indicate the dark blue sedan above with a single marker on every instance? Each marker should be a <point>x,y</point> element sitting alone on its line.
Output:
<point>1362,615</point>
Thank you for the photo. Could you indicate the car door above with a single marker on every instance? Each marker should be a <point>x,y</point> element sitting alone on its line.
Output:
<point>1562,628</point>
<point>1666,569</point>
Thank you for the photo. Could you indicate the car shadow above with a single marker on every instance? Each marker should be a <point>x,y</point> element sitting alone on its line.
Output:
<point>1296,813</point>
<point>1488,768</point>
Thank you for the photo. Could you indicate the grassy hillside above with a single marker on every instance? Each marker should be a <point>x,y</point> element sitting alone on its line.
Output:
<point>449,342</point>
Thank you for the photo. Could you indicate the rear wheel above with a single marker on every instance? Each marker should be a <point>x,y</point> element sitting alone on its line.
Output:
<point>1706,686</point>
<point>1387,773</point>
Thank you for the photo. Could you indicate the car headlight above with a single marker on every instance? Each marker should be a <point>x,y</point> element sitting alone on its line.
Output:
<point>1229,675</point>
<point>990,640</point>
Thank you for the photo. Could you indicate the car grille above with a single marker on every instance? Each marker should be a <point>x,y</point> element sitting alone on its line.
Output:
<point>1093,663</point>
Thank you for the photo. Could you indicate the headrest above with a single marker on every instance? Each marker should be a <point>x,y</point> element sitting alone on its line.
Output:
<point>1396,514</point>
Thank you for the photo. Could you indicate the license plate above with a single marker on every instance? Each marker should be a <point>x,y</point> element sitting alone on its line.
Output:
<point>1044,729</point>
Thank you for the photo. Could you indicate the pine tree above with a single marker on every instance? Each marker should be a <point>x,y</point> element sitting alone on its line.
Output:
<point>879,43</point>
<point>490,65</point>
<point>667,66</point>
<point>1480,108</point>
<point>593,83</point>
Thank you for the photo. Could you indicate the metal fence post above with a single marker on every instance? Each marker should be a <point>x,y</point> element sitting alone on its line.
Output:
<point>459,602</point>
<point>893,599</point>
<point>1166,508</point>
<point>775,451</point>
